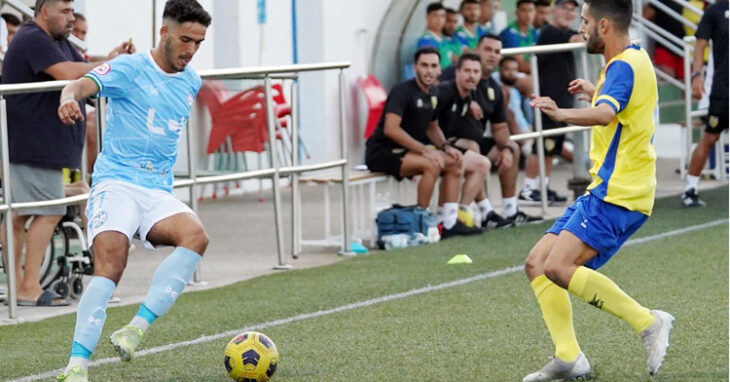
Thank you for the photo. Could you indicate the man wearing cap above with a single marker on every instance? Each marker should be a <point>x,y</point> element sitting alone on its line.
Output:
<point>556,70</point>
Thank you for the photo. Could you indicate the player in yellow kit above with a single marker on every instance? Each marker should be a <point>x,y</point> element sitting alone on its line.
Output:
<point>618,201</point>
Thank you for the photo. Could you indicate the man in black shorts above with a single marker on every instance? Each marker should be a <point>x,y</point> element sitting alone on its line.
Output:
<point>465,132</point>
<point>503,152</point>
<point>713,26</point>
<point>408,141</point>
<point>556,71</point>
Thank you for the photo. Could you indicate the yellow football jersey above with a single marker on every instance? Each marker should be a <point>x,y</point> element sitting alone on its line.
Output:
<point>622,152</point>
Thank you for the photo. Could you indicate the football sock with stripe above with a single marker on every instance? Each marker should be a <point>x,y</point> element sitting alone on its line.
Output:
<point>599,291</point>
<point>90,317</point>
<point>168,282</point>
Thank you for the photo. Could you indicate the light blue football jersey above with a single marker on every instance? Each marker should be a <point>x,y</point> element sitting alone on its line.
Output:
<point>147,111</point>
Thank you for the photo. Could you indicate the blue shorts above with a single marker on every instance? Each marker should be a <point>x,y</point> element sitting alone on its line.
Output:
<point>600,225</point>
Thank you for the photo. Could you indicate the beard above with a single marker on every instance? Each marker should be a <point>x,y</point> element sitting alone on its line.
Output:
<point>595,44</point>
<point>420,79</point>
<point>509,81</point>
<point>167,49</point>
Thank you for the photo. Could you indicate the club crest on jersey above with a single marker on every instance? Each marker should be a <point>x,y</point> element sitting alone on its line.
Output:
<point>103,69</point>
<point>99,219</point>
<point>419,103</point>
<point>490,94</point>
<point>434,101</point>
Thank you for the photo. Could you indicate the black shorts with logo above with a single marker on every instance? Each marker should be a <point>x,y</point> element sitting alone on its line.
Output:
<point>385,158</point>
<point>717,118</point>
<point>553,144</point>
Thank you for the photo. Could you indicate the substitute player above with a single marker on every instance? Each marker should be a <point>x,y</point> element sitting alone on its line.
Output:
<point>618,202</point>
<point>150,96</point>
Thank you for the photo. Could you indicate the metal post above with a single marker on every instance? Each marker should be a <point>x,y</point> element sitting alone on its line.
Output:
<point>687,152</point>
<point>100,122</point>
<point>193,190</point>
<point>154,23</point>
<point>346,251</point>
<point>581,177</point>
<point>295,197</point>
<point>7,198</point>
<point>275,177</point>
<point>540,139</point>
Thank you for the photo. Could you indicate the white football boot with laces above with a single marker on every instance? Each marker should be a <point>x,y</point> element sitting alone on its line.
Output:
<point>559,370</point>
<point>656,340</point>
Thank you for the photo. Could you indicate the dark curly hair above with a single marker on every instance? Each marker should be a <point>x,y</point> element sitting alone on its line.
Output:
<point>186,10</point>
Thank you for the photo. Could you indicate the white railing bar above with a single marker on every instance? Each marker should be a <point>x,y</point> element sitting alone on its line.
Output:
<point>25,10</point>
<point>669,79</point>
<point>661,32</point>
<point>314,167</point>
<point>549,133</point>
<point>40,87</point>
<point>668,44</point>
<point>671,12</point>
<point>553,48</point>
<point>263,70</point>
<point>699,113</point>
<point>689,6</point>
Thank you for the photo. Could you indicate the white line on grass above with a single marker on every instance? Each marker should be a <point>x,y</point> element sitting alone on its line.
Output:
<point>356,305</point>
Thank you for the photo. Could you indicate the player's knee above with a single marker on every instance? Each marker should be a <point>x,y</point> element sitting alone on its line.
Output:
<point>533,263</point>
<point>484,165</point>
<point>430,170</point>
<point>553,271</point>
<point>196,240</point>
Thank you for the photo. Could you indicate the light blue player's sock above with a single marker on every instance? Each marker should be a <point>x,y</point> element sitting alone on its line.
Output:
<point>168,283</point>
<point>90,317</point>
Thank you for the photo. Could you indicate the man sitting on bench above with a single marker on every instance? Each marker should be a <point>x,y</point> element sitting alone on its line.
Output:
<point>405,142</point>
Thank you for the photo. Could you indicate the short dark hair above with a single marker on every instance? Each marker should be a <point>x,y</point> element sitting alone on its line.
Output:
<point>425,50</point>
<point>468,56</point>
<point>186,10</point>
<point>79,16</point>
<point>40,3</point>
<point>433,7</point>
<point>520,2</point>
<point>619,12</point>
<point>450,10</point>
<point>11,19</point>
<point>543,3</point>
<point>505,59</point>
<point>465,2</point>
<point>488,36</point>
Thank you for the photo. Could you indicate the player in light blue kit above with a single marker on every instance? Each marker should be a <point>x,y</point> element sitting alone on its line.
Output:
<point>150,95</point>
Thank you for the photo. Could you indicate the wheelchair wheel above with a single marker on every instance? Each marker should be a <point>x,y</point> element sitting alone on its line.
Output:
<point>61,288</point>
<point>58,247</point>
<point>77,287</point>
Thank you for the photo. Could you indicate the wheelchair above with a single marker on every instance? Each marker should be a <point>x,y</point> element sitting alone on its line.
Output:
<point>67,258</point>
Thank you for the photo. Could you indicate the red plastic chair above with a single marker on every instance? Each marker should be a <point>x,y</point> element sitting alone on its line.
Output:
<point>375,95</point>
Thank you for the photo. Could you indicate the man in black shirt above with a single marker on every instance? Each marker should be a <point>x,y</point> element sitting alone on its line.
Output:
<point>402,144</point>
<point>556,70</point>
<point>713,26</point>
<point>465,132</point>
<point>503,152</point>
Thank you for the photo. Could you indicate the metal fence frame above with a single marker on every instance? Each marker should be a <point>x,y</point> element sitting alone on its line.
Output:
<point>193,180</point>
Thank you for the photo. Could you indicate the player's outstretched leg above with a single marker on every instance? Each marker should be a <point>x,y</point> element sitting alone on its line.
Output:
<point>168,283</point>
<point>90,317</point>
<point>654,326</point>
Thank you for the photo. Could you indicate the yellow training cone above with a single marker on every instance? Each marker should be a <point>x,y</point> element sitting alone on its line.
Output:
<point>460,259</point>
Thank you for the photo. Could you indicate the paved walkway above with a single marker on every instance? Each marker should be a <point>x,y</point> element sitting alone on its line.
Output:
<point>243,242</point>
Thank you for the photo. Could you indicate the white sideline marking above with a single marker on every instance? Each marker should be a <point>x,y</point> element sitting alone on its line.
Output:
<point>356,305</point>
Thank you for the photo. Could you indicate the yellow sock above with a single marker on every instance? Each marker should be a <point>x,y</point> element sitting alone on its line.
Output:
<point>599,291</point>
<point>558,315</point>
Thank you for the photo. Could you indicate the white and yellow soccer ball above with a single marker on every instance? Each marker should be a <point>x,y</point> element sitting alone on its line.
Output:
<point>251,357</point>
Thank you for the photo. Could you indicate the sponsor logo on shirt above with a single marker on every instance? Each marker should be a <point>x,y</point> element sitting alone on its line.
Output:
<point>490,94</point>
<point>103,69</point>
<point>434,101</point>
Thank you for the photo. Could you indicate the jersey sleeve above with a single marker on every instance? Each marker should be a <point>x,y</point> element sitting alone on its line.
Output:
<point>425,41</point>
<point>704,28</point>
<point>397,101</point>
<point>500,113</point>
<point>113,78</point>
<point>618,86</point>
<point>509,39</point>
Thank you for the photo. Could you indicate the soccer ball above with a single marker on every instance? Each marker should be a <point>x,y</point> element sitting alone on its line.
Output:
<point>251,357</point>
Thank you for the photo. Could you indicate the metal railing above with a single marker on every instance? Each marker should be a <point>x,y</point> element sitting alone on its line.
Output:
<point>193,180</point>
<point>579,169</point>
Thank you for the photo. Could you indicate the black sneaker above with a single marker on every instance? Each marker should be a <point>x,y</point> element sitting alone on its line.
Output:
<point>691,198</point>
<point>521,218</point>
<point>554,197</point>
<point>460,229</point>
<point>495,220</point>
<point>529,197</point>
